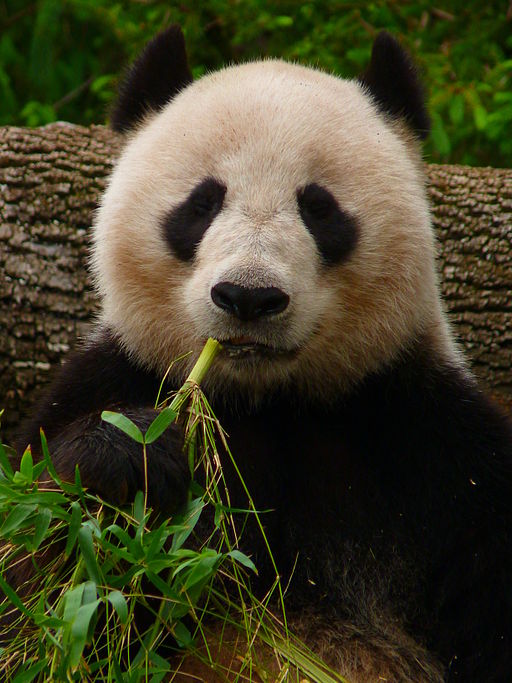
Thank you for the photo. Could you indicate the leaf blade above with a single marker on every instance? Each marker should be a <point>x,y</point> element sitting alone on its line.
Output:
<point>124,424</point>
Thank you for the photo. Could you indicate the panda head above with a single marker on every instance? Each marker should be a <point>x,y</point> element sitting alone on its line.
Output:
<point>276,208</point>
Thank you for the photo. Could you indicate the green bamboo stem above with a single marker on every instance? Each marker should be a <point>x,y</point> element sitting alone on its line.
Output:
<point>196,376</point>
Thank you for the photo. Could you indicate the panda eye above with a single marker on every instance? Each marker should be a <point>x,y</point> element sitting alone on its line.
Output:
<point>184,226</point>
<point>334,230</point>
<point>207,199</point>
<point>317,208</point>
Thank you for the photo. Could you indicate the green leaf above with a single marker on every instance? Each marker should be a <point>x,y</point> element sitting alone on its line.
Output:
<point>27,465</point>
<point>203,570</point>
<point>90,592</point>
<point>15,518</point>
<point>74,527</point>
<point>160,424</point>
<point>124,424</point>
<point>39,468</point>
<point>156,540</point>
<point>118,602</point>
<point>47,459</point>
<point>121,534</point>
<point>28,675</point>
<point>86,544</point>
<point>160,668</point>
<point>139,510</point>
<point>41,526</point>
<point>118,674</point>
<point>165,588</point>
<point>159,564</point>
<point>80,631</point>
<point>13,597</point>
<point>243,559</point>
<point>5,463</point>
<point>72,602</point>
<point>44,621</point>
<point>182,635</point>
<point>191,516</point>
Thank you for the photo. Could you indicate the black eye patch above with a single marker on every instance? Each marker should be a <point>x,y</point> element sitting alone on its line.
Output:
<point>185,225</point>
<point>334,230</point>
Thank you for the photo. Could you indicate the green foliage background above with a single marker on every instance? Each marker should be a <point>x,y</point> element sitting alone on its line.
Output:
<point>59,59</point>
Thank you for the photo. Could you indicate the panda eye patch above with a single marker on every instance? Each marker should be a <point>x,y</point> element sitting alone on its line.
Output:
<point>334,230</point>
<point>184,226</point>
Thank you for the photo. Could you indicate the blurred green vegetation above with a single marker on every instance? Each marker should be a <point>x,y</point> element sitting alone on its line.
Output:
<point>60,59</point>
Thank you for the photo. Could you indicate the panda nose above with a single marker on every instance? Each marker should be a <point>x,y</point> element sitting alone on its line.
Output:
<point>249,304</point>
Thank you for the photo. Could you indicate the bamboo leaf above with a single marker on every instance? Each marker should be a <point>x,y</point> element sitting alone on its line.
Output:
<point>74,527</point>
<point>48,461</point>
<point>124,424</point>
<point>243,559</point>
<point>13,596</point>
<point>203,569</point>
<point>138,507</point>
<point>27,465</point>
<point>118,602</point>
<point>15,518</point>
<point>118,674</point>
<point>182,635</point>
<point>86,543</point>
<point>160,668</point>
<point>29,674</point>
<point>41,526</point>
<point>164,587</point>
<point>160,424</point>
<point>80,631</point>
<point>191,516</point>
<point>5,463</point>
<point>73,602</point>
<point>39,468</point>
<point>90,592</point>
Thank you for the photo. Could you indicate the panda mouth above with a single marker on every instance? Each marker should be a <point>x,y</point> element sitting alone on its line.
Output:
<point>245,347</point>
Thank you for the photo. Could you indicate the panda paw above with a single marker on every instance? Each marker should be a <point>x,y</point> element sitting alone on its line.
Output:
<point>112,465</point>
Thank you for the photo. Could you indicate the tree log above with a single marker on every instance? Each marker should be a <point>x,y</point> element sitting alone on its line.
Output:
<point>50,180</point>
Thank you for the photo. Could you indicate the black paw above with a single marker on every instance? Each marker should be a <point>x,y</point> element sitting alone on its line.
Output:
<point>112,465</point>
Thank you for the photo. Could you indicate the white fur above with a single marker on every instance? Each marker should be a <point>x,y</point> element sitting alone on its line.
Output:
<point>264,130</point>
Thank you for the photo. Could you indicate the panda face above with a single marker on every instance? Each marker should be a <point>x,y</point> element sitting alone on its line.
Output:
<point>274,208</point>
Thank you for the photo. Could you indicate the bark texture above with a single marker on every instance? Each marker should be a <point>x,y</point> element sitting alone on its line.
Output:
<point>50,180</point>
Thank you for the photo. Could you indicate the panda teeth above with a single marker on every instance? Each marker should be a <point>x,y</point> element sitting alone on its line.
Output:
<point>242,345</point>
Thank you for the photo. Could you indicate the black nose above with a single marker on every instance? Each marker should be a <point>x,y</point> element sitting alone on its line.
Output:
<point>249,304</point>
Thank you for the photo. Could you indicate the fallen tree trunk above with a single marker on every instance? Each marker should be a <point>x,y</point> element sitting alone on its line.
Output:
<point>50,180</point>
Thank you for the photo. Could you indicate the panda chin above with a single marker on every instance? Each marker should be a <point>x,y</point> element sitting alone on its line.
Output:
<point>243,348</point>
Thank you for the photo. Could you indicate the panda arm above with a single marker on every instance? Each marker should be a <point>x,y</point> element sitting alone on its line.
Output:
<point>111,464</point>
<point>465,447</point>
<point>473,577</point>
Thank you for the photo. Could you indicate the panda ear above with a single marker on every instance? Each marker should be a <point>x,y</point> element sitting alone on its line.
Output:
<point>156,76</point>
<point>392,80</point>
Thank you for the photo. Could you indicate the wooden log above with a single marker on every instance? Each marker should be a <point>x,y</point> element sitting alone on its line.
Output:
<point>50,180</point>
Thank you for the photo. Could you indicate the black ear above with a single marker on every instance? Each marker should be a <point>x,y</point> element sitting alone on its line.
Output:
<point>156,76</point>
<point>393,81</point>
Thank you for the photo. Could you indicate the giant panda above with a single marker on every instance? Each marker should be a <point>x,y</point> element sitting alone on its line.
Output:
<point>283,211</point>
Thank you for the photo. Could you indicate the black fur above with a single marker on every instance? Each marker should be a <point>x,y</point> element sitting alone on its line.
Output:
<point>400,493</point>
<point>158,74</point>
<point>392,80</point>
<point>335,231</point>
<point>185,225</point>
<point>111,463</point>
